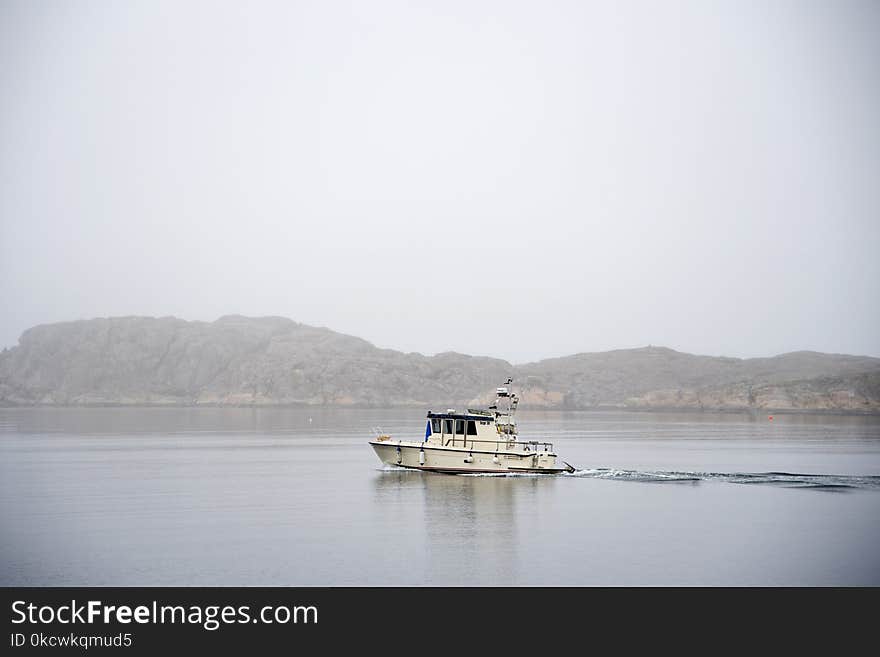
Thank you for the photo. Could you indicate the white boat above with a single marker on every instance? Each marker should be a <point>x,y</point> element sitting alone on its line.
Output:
<point>476,440</point>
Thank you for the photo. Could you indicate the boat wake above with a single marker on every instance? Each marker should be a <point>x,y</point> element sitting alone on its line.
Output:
<point>826,482</point>
<point>785,479</point>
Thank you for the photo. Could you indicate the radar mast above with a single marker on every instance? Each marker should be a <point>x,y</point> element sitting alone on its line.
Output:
<point>504,408</point>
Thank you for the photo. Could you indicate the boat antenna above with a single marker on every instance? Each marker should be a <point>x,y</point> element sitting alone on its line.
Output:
<point>514,400</point>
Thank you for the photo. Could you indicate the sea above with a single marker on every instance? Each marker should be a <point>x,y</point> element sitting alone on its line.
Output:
<point>296,497</point>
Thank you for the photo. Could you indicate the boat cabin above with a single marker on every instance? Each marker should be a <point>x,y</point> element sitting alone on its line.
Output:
<point>472,425</point>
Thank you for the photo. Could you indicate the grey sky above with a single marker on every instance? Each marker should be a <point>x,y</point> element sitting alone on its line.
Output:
<point>515,179</point>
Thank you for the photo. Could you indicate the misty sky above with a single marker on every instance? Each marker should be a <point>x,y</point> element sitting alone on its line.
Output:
<point>514,179</point>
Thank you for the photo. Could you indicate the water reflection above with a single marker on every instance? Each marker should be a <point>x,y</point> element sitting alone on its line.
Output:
<point>470,523</point>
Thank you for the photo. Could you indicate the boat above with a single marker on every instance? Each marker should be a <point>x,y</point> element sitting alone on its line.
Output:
<point>473,441</point>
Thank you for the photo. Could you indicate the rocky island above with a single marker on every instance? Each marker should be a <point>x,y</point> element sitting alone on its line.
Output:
<point>275,361</point>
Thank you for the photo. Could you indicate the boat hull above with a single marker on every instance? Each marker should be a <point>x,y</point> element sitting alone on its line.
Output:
<point>459,460</point>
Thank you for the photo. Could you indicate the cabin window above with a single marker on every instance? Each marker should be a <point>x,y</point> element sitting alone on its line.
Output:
<point>459,427</point>
<point>471,428</point>
<point>435,425</point>
<point>447,426</point>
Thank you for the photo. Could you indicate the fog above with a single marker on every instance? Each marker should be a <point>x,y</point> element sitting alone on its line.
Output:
<point>514,179</point>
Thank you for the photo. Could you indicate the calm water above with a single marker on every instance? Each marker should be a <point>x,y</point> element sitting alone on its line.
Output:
<point>297,497</point>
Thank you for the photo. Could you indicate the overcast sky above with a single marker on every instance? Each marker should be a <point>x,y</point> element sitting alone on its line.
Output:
<point>514,179</point>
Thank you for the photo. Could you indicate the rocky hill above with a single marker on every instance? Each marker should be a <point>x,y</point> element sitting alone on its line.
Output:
<point>656,377</point>
<point>271,361</point>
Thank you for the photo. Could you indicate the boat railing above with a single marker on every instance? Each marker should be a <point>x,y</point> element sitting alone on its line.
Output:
<point>473,442</point>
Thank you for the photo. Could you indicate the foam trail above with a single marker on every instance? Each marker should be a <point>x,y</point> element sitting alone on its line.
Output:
<point>786,479</point>
<point>827,482</point>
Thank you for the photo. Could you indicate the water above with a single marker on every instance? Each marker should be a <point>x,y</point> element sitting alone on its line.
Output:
<point>297,497</point>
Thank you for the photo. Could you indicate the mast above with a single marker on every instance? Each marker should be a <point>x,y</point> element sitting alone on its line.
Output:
<point>505,408</point>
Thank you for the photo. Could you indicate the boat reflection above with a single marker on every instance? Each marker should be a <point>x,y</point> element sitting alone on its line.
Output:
<point>466,520</point>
